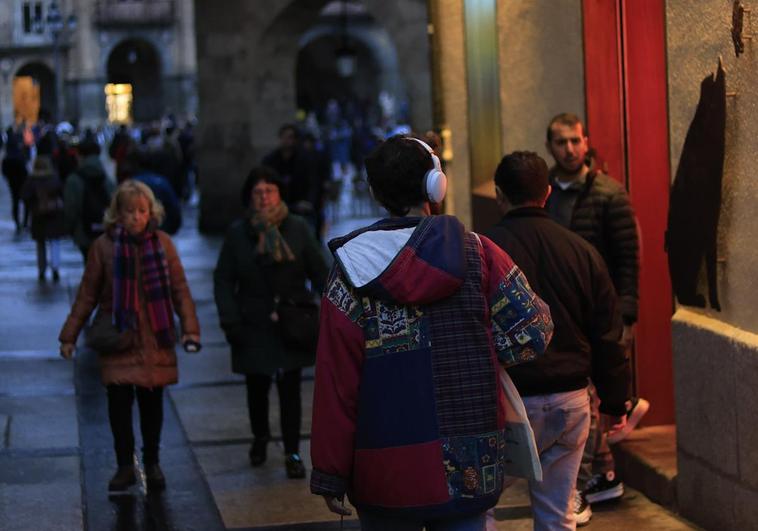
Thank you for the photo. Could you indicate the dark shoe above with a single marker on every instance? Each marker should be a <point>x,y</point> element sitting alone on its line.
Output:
<point>582,510</point>
<point>603,487</point>
<point>154,477</point>
<point>41,277</point>
<point>122,479</point>
<point>295,467</point>
<point>56,276</point>
<point>258,451</point>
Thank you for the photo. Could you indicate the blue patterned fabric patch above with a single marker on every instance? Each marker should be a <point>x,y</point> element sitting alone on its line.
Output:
<point>474,463</point>
<point>342,296</point>
<point>391,328</point>
<point>520,321</point>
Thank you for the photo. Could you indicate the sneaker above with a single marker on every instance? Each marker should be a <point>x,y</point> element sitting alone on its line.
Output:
<point>154,477</point>
<point>294,466</point>
<point>636,409</point>
<point>258,451</point>
<point>603,487</point>
<point>56,275</point>
<point>122,479</point>
<point>582,510</point>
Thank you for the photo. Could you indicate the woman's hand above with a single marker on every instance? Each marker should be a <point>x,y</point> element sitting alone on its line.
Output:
<point>336,506</point>
<point>67,350</point>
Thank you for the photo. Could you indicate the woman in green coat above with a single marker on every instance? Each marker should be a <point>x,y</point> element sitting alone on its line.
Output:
<point>266,258</point>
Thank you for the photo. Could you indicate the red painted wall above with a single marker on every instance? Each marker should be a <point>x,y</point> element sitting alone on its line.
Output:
<point>603,83</point>
<point>649,184</point>
<point>625,80</point>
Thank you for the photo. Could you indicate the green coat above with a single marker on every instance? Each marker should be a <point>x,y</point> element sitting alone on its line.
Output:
<point>244,283</point>
<point>90,171</point>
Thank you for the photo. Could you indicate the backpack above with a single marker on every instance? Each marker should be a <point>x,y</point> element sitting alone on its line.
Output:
<point>48,202</point>
<point>94,204</point>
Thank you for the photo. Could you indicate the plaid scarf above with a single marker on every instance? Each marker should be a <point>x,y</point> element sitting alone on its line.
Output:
<point>270,241</point>
<point>155,284</point>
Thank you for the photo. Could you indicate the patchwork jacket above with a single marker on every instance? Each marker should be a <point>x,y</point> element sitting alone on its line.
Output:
<point>408,416</point>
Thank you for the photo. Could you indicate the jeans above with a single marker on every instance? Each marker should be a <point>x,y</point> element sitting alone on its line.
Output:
<point>288,385</point>
<point>150,402</point>
<point>55,255</point>
<point>380,522</point>
<point>597,458</point>
<point>560,422</point>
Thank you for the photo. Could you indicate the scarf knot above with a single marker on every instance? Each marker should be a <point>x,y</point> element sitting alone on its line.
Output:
<point>266,224</point>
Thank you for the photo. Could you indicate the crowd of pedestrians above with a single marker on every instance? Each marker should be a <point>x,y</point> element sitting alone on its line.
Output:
<point>421,327</point>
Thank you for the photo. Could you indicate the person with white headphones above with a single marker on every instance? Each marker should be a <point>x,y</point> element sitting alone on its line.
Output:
<point>408,416</point>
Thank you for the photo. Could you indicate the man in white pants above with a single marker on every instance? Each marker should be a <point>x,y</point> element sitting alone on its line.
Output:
<point>570,276</point>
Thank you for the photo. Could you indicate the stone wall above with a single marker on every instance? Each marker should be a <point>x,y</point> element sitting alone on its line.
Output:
<point>715,379</point>
<point>541,69</point>
<point>246,83</point>
<point>716,354</point>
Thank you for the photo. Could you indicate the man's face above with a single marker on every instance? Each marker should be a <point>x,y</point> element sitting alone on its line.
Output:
<point>568,146</point>
<point>287,139</point>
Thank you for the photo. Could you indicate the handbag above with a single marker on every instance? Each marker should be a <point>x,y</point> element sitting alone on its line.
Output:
<point>521,456</point>
<point>104,338</point>
<point>298,323</point>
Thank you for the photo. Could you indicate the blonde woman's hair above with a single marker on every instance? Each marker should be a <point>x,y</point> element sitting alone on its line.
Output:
<point>125,191</point>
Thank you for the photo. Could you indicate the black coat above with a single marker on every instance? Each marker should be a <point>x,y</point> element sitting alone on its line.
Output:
<point>244,284</point>
<point>43,195</point>
<point>604,217</point>
<point>571,277</point>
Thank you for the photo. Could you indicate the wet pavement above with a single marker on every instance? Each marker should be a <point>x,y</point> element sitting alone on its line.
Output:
<point>55,445</point>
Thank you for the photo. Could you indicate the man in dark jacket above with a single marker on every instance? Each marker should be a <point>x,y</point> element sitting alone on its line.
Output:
<point>597,208</point>
<point>571,277</point>
<point>86,195</point>
<point>298,172</point>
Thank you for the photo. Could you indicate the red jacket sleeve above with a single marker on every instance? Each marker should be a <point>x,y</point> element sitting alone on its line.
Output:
<point>339,360</point>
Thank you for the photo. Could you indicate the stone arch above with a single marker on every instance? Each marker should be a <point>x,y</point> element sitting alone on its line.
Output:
<point>378,68</point>
<point>138,62</point>
<point>45,103</point>
<point>404,20</point>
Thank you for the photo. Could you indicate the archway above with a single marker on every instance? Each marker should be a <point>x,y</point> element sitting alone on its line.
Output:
<point>376,67</point>
<point>135,62</point>
<point>34,93</point>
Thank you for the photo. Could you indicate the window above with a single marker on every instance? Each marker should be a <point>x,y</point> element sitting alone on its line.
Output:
<point>31,16</point>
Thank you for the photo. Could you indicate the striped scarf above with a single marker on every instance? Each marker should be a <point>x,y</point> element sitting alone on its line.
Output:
<point>270,241</point>
<point>155,284</point>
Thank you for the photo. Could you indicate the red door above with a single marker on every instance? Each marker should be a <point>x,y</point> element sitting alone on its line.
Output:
<point>627,120</point>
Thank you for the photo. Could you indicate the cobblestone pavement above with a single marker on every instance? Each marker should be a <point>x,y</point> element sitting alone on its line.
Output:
<point>55,443</point>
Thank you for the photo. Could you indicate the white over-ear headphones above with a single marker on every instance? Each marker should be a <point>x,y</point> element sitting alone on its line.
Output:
<point>435,180</point>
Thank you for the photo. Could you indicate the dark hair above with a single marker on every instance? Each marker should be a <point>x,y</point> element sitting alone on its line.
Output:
<point>88,147</point>
<point>256,175</point>
<point>289,127</point>
<point>565,118</point>
<point>522,177</point>
<point>395,171</point>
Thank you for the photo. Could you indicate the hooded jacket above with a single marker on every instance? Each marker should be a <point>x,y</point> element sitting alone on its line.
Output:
<point>408,416</point>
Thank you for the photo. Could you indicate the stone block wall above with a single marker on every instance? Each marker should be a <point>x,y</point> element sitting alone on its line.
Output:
<point>716,371</point>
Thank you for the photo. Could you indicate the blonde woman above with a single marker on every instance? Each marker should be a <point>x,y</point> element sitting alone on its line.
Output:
<point>135,278</point>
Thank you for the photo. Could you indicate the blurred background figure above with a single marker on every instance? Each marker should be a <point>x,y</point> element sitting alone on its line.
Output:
<point>15,173</point>
<point>43,195</point>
